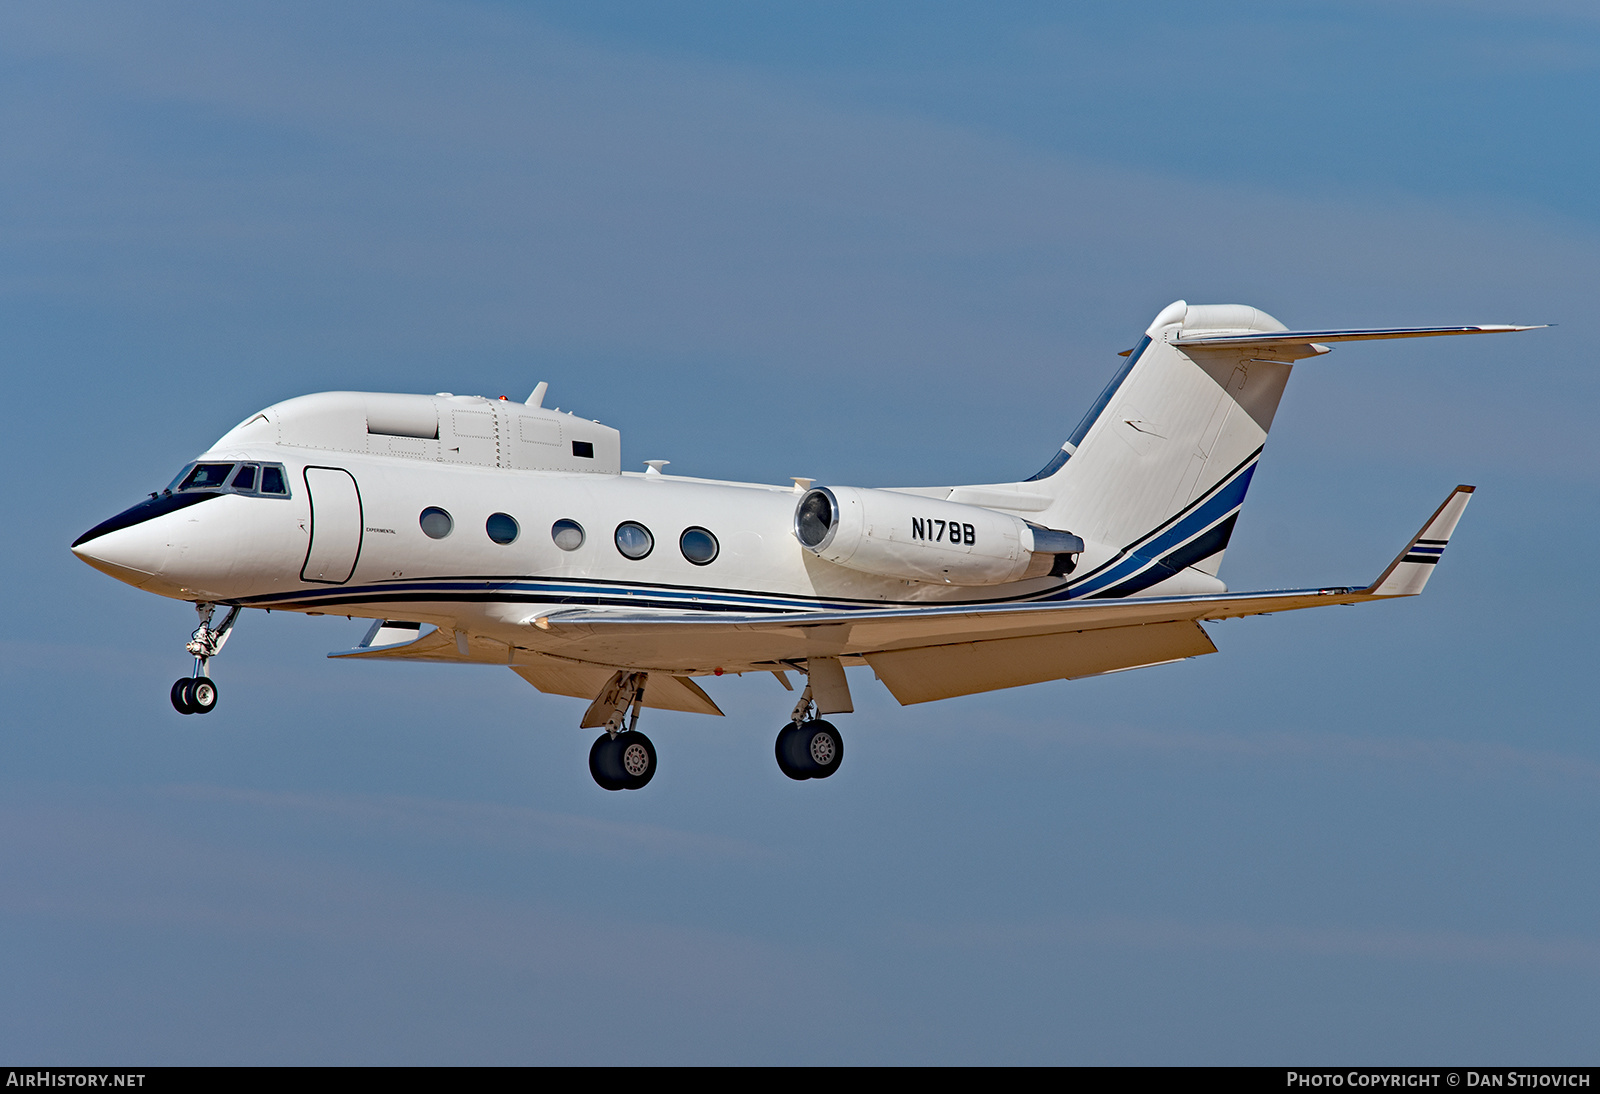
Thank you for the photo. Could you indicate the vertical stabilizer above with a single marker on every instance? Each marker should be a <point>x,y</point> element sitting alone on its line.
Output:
<point>1161,463</point>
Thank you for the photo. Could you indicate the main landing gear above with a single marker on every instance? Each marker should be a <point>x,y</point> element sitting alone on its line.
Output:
<point>620,759</point>
<point>624,762</point>
<point>197,694</point>
<point>808,747</point>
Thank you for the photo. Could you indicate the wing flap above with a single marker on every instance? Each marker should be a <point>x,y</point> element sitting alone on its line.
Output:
<point>679,693</point>
<point>963,668</point>
<point>582,680</point>
<point>559,676</point>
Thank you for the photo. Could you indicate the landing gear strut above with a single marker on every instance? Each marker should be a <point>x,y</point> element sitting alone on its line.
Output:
<point>197,694</point>
<point>808,747</point>
<point>621,759</point>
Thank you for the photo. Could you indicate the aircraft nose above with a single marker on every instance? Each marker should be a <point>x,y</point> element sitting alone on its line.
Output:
<point>134,555</point>
<point>133,545</point>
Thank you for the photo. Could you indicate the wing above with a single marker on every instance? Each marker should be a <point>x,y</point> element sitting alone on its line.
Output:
<point>939,652</point>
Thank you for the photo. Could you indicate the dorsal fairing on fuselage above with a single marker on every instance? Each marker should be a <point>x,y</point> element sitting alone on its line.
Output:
<point>453,429</point>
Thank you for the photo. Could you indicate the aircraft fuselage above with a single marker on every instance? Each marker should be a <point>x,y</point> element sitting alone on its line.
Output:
<point>378,561</point>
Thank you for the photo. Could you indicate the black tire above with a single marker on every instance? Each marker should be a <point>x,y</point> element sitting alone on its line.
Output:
<point>822,746</point>
<point>637,758</point>
<point>202,695</point>
<point>180,696</point>
<point>605,763</point>
<point>790,761</point>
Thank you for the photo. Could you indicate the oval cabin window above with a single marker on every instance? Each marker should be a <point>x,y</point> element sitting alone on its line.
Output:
<point>436,523</point>
<point>502,528</point>
<point>698,546</point>
<point>634,540</point>
<point>568,534</point>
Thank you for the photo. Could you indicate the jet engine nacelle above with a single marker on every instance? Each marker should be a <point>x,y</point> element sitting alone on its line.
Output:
<point>921,539</point>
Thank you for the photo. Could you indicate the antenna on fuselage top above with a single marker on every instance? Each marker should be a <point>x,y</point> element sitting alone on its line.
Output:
<point>537,398</point>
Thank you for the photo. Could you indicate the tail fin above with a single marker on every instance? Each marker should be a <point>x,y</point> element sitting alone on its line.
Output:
<point>1176,433</point>
<point>1160,465</point>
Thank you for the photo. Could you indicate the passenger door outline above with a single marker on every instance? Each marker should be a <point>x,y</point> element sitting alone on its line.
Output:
<point>333,552</point>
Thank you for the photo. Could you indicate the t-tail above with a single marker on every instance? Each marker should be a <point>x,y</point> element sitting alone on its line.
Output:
<point>1157,470</point>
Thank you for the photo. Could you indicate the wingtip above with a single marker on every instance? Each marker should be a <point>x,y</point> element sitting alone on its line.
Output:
<point>1411,568</point>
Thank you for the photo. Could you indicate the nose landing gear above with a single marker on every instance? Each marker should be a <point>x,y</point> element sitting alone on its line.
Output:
<point>197,694</point>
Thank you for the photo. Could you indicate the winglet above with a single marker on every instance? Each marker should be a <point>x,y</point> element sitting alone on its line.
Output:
<point>1410,570</point>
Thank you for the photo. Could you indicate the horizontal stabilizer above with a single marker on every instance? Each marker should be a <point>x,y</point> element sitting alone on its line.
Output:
<point>1266,339</point>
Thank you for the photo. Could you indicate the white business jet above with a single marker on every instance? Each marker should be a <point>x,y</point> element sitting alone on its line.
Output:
<point>496,532</point>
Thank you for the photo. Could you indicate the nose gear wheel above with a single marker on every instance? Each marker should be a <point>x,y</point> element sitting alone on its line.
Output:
<point>197,694</point>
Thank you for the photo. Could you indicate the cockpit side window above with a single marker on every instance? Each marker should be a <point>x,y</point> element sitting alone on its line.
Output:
<point>207,476</point>
<point>272,480</point>
<point>246,478</point>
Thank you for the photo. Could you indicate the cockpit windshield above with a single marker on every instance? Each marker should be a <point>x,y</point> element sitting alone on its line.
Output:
<point>246,478</point>
<point>206,476</point>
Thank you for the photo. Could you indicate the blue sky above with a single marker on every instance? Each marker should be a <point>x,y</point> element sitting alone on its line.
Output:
<point>883,244</point>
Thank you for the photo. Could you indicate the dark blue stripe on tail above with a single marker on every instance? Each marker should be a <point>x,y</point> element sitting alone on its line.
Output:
<point>1087,423</point>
